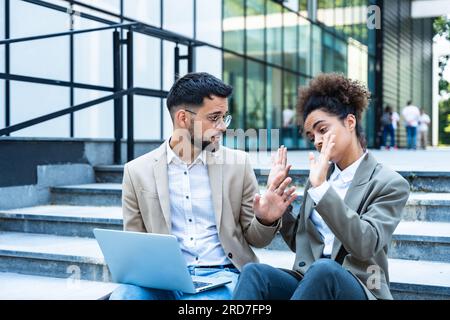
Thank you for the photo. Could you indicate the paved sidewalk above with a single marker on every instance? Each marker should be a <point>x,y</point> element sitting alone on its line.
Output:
<point>436,159</point>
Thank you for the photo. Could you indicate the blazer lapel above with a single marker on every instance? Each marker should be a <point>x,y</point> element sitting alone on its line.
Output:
<point>215,173</point>
<point>162,184</point>
<point>355,193</point>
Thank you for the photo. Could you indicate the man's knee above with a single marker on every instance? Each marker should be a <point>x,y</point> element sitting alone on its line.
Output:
<point>253,270</point>
<point>324,269</point>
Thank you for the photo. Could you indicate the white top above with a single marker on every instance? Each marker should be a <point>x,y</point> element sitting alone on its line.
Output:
<point>395,119</point>
<point>288,116</point>
<point>192,211</point>
<point>424,121</point>
<point>411,114</point>
<point>340,181</point>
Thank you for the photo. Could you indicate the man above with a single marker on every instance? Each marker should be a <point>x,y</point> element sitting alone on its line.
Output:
<point>411,114</point>
<point>424,122</point>
<point>204,194</point>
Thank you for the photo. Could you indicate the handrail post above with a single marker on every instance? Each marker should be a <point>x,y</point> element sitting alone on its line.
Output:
<point>118,103</point>
<point>7,66</point>
<point>190,58</point>
<point>130,98</point>
<point>177,62</point>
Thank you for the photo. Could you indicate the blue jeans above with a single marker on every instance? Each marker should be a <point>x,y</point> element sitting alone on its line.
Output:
<point>324,280</point>
<point>388,130</point>
<point>411,137</point>
<point>132,292</point>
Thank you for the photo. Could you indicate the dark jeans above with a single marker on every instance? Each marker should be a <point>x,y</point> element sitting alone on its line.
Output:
<point>411,137</point>
<point>324,280</point>
<point>388,130</point>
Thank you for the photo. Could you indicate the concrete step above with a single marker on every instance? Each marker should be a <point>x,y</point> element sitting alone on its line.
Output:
<point>77,221</point>
<point>26,287</point>
<point>425,241</point>
<point>95,194</point>
<point>424,181</point>
<point>409,279</point>
<point>421,241</point>
<point>78,258</point>
<point>420,206</point>
<point>52,256</point>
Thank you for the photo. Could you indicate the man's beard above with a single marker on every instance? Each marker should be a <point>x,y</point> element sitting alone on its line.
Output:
<point>208,145</point>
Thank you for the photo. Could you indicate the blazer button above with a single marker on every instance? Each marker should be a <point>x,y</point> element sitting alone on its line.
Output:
<point>230,255</point>
<point>301,264</point>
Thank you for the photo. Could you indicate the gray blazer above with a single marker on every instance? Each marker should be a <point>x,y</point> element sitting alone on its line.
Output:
<point>363,224</point>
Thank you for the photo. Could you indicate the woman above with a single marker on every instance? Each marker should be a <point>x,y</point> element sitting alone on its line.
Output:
<point>350,207</point>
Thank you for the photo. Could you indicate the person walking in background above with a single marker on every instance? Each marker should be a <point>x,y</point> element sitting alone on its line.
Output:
<point>395,120</point>
<point>388,128</point>
<point>411,114</point>
<point>424,122</point>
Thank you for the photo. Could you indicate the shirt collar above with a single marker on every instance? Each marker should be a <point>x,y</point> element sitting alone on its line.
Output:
<point>348,173</point>
<point>172,157</point>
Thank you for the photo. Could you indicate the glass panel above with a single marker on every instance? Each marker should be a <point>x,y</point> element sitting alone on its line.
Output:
<point>209,60</point>
<point>168,124</point>
<point>147,118</point>
<point>304,46</point>
<point>147,61</point>
<point>169,63</point>
<point>328,54</point>
<point>94,122</point>
<point>325,12</point>
<point>47,58</point>
<point>274,22</point>
<point>290,21</point>
<point>255,95</point>
<point>316,50</point>
<point>108,5</point>
<point>233,25</point>
<point>30,100</point>
<point>303,7</point>
<point>289,129</point>
<point>179,16</point>
<point>2,36</point>
<point>255,28</point>
<point>2,104</point>
<point>147,11</point>
<point>340,56</point>
<point>291,4</point>
<point>209,21</point>
<point>93,55</point>
<point>233,75</point>
<point>274,97</point>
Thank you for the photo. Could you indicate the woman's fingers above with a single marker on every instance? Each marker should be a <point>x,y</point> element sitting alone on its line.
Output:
<point>284,158</point>
<point>312,159</point>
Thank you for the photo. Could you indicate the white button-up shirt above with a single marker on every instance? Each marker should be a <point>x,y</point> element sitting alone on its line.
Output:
<point>192,211</point>
<point>340,181</point>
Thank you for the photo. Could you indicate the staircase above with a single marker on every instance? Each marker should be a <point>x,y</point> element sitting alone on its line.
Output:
<point>48,252</point>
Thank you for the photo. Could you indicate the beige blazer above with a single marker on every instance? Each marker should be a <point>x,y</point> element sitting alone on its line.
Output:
<point>363,224</point>
<point>146,207</point>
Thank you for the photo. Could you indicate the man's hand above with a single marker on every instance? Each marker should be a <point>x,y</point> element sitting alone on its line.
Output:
<point>319,167</point>
<point>271,206</point>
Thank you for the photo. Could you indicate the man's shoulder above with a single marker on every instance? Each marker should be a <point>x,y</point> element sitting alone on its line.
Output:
<point>145,160</point>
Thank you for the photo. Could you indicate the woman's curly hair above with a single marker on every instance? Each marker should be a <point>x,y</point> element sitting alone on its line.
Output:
<point>336,95</point>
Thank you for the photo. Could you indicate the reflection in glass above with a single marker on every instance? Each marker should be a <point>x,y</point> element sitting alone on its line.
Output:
<point>233,25</point>
<point>274,23</point>
<point>255,24</point>
<point>255,95</point>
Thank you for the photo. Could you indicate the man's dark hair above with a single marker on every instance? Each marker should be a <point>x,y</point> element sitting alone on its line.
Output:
<point>191,89</point>
<point>409,103</point>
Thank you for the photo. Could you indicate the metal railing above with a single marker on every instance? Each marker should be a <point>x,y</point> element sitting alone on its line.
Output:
<point>118,92</point>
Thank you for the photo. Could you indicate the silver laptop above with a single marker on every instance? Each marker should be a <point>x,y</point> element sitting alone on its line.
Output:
<point>150,260</point>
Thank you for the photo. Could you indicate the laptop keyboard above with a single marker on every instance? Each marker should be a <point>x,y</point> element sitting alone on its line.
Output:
<point>199,284</point>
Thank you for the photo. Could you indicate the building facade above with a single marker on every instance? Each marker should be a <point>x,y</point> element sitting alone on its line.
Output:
<point>265,49</point>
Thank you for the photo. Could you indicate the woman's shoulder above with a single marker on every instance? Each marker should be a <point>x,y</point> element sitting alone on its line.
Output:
<point>383,174</point>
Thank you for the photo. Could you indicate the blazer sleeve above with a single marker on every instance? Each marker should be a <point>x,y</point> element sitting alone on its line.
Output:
<point>256,234</point>
<point>289,229</point>
<point>132,218</point>
<point>365,235</point>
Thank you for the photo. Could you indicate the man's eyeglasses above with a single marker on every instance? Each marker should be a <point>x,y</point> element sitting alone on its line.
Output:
<point>216,118</point>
